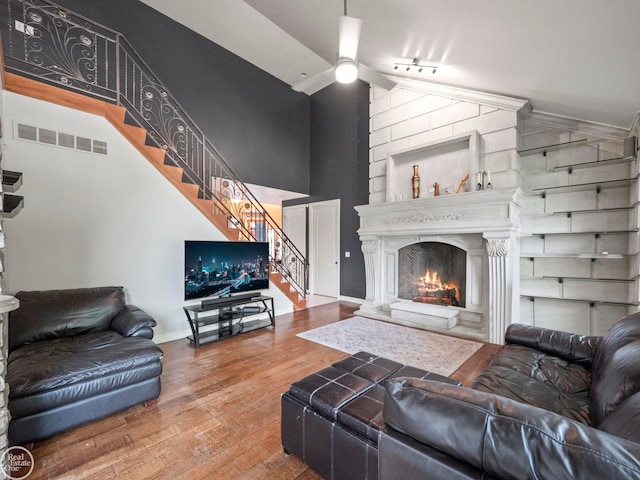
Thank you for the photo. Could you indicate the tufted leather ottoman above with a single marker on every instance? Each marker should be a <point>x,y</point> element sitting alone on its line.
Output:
<point>331,419</point>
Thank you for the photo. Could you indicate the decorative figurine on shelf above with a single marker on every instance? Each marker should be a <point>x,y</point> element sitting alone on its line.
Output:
<point>462,182</point>
<point>415,182</point>
<point>436,189</point>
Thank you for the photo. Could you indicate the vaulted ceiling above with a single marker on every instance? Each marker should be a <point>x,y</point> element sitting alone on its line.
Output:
<point>574,58</point>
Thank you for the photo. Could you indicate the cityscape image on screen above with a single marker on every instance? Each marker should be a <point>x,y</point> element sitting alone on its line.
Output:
<point>216,268</point>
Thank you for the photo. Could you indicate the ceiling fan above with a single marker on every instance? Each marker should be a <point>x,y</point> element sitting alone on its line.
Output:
<point>347,68</point>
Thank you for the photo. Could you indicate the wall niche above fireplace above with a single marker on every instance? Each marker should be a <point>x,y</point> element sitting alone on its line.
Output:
<point>444,161</point>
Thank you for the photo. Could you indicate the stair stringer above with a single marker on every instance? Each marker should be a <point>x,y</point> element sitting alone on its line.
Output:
<point>115,114</point>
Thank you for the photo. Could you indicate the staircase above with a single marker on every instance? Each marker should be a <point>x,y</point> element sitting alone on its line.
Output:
<point>145,113</point>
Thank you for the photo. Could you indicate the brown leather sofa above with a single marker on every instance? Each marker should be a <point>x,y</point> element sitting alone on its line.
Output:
<point>551,405</point>
<point>75,356</point>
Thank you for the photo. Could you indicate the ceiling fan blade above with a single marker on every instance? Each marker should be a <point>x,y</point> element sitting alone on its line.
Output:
<point>317,82</point>
<point>349,37</point>
<point>370,76</point>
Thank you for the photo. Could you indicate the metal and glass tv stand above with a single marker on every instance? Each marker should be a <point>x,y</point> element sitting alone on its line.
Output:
<point>225,315</point>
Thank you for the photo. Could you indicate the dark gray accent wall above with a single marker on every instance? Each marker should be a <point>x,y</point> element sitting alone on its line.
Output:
<point>340,169</point>
<point>269,134</point>
<point>258,123</point>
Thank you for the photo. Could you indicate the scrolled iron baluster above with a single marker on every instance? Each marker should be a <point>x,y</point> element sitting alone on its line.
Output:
<point>168,127</point>
<point>66,50</point>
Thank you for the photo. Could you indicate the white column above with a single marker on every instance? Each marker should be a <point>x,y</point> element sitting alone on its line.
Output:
<point>503,268</point>
<point>371,251</point>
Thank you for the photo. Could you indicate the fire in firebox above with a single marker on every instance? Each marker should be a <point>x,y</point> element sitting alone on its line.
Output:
<point>433,272</point>
<point>436,292</point>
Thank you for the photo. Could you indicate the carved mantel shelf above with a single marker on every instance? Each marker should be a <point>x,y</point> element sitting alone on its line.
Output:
<point>472,212</point>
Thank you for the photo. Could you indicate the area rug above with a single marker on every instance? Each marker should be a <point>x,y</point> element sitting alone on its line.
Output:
<point>430,351</point>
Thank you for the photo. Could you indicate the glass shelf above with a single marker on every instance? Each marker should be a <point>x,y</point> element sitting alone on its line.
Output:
<point>591,302</point>
<point>590,210</point>
<point>586,186</point>
<point>576,255</point>
<point>580,279</point>
<point>557,146</point>
<point>607,232</point>
<point>597,163</point>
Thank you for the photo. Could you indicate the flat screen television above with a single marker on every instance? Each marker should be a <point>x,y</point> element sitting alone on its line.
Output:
<point>218,268</point>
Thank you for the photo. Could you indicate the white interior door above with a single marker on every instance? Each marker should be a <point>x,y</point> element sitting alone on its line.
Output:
<point>324,248</point>
<point>294,224</point>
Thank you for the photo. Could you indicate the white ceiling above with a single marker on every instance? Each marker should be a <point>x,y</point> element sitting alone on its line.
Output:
<point>574,58</point>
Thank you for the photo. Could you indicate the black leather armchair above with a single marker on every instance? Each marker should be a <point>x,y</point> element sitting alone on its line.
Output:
<point>75,356</point>
<point>551,405</point>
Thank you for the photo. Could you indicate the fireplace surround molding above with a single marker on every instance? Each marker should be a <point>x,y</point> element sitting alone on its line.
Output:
<point>486,224</point>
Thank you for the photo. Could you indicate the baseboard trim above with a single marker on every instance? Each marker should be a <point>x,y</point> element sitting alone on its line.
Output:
<point>344,298</point>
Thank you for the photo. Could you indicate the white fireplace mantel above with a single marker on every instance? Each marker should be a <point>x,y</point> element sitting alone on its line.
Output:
<point>489,216</point>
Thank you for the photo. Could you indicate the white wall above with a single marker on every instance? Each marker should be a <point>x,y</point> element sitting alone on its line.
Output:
<point>92,220</point>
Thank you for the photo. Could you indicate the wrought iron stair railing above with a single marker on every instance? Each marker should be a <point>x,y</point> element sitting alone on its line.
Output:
<point>47,43</point>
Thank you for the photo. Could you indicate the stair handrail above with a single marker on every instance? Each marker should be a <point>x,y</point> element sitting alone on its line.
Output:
<point>60,48</point>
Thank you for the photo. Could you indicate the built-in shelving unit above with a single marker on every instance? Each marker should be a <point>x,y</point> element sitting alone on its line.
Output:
<point>580,226</point>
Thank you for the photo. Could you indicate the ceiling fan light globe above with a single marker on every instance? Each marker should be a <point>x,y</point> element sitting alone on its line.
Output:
<point>346,71</point>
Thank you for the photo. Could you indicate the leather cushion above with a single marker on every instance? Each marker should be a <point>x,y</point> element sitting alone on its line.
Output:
<point>329,389</point>
<point>624,420</point>
<point>89,389</point>
<point>536,378</point>
<point>364,414</point>
<point>496,434</point>
<point>132,320</point>
<point>616,368</point>
<point>44,315</point>
<point>368,365</point>
<point>43,366</point>
<point>569,346</point>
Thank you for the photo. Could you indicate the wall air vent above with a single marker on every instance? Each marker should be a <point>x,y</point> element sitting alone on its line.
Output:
<point>47,136</point>
<point>99,147</point>
<point>27,132</point>
<point>66,140</point>
<point>83,144</point>
<point>59,139</point>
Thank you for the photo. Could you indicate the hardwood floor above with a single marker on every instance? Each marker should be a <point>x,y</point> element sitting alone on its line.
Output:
<point>219,412</point>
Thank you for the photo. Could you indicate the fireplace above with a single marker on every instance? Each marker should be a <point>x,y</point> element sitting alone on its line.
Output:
<point>471,240</point>
<point>433,273</point>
